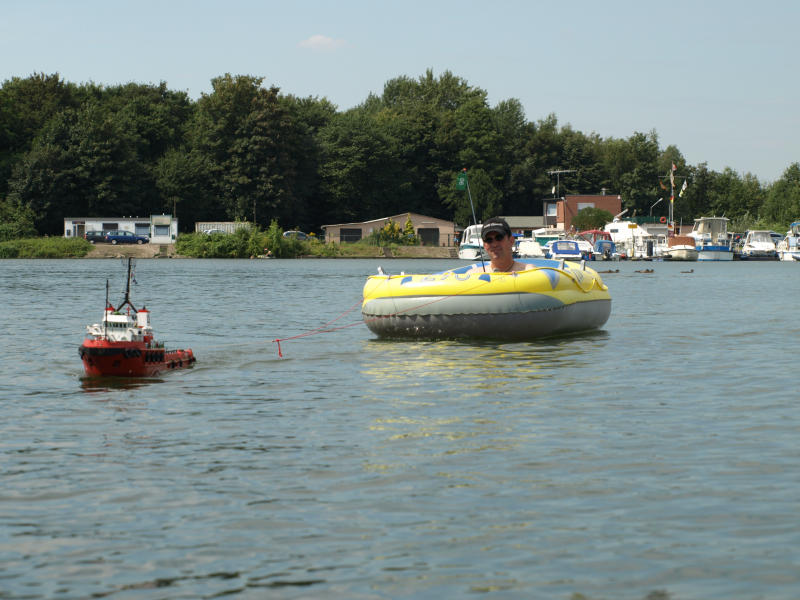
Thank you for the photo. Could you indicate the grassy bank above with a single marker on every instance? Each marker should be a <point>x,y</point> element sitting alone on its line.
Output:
<point>45,247</point>
<point>241,244</point>
<point>246,243</point>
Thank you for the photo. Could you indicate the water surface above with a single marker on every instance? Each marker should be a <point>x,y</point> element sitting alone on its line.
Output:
<point>657,455</point>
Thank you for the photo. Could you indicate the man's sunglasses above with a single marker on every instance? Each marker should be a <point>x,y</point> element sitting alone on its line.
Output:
<point>494,238</point>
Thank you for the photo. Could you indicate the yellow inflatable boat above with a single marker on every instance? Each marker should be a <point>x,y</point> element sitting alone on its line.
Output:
<point>556,297</point>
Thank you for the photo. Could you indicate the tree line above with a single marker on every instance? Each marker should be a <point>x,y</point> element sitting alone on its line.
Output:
<point>245,151</point>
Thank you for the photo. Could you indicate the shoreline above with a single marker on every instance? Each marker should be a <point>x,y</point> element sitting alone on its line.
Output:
<point>134,251</point>
<point>168,251</point>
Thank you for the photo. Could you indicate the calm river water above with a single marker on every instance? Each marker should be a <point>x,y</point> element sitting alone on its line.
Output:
<point>658,457</point>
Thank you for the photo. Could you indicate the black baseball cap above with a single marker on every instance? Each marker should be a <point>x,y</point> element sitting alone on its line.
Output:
<point>495,224</point>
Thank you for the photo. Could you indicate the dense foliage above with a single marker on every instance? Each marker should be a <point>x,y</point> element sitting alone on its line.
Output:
<point>45,247</point>
<point>591,218</point>
<point>248,152</point>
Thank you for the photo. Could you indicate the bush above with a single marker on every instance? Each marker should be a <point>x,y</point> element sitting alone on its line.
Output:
<point>591,218</point>
<point>216,245</point>
<point>47,247</point>
<point>16,221</point>
<point>243,243</point>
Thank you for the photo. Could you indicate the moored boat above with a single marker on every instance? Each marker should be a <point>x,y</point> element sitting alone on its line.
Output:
<point>681,247</point>
<point>123,343</point>
<point>528,248</point>
<point>789,248</point>
<point>712,240</point>
<point>758,245</point>
<point>605,250</point>
<point>471,246</point>
<point>602,246</point>
<point>564,250</point>
<point>555,297</point>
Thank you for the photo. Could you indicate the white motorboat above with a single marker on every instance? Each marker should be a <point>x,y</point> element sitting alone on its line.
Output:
<point>789,247</point>
<point>529,248</point>
<point>681,247</point>
<point>564,249</point>
<point>758,245</point>
<point>712,240</point>
<point>636,241</point>
<point>471,246</point>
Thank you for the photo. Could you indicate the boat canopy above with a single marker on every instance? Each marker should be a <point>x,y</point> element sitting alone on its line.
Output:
<point>758,236</point>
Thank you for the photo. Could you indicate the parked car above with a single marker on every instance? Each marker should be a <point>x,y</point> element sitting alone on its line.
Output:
<point>94,236</point>
<point>125,237</point>
<point>298,235</point>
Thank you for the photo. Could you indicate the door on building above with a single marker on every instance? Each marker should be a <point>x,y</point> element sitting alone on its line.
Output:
<point>428,236</point>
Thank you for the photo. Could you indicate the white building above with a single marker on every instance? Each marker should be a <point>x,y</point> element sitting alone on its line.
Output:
<point>161,229</point>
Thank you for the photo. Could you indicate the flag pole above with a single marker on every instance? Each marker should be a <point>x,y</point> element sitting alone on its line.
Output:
<point>472,206</point>
<point>469,195</point>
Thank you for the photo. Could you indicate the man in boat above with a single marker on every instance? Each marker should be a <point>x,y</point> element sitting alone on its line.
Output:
<point>499,245</point>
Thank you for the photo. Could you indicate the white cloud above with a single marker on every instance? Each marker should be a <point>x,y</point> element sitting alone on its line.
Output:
<point>322,42</point>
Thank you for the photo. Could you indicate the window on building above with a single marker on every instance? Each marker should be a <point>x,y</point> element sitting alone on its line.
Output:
<point>582,205</point>
<point>160,230</point>
<point>349,235</point>
<point>110,226</point>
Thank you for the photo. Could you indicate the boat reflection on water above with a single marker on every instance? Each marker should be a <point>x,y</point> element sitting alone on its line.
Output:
<point>464,398</point>
<point>473,365</point>
<point>106,384</point>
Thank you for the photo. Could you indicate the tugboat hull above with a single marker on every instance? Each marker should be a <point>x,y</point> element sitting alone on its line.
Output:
<point>101,359</point>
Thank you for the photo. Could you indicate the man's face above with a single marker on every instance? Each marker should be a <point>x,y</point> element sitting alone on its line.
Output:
<point>499,246</point>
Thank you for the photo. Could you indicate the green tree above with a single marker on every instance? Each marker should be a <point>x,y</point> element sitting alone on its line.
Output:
<point>152,114</point>
<point>243,129</point>
<point>357,166</point>
<point>308,117</point>
<point>519,175</point>
<point>695,202</point>
<point>83,162</point>
<point>411,177</point>
<point>186,190</point>
<point>390,233</point>
<point>734,196</point>
<point>668,157</point>
<point>591,218</point>
<point>409,236</point>
<point>545,150</point>
<point>16,221</point>
<point>486,198</point>
<point>633,168</point>
<point>581,153</point>
<point>26,104</point>
<point>782,204</point>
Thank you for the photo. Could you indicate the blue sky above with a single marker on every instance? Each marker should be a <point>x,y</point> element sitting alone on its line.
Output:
<point>717,79</point>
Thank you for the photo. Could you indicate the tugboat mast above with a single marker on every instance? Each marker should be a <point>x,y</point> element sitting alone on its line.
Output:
<point>105,313</point>
<point>127,299</point>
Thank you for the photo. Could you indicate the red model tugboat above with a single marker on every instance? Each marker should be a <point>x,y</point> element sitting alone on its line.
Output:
<point>123,344</point>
